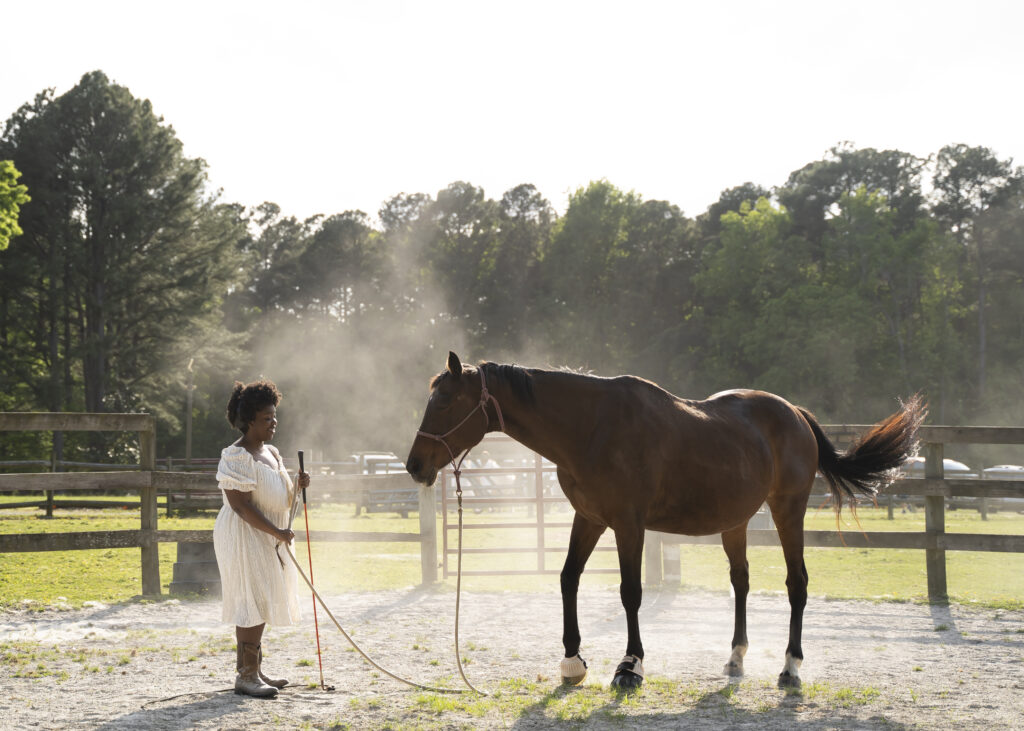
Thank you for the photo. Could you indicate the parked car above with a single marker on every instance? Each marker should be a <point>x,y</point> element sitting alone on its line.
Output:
<point>378,463</point>
<point>914,467</point>
<point>1006,472</point>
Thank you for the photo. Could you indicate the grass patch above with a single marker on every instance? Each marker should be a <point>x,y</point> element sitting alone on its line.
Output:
<point>844,697</point>
<point>70,578</point>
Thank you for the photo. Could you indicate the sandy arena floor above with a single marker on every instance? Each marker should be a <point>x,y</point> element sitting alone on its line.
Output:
<point>868,665</point>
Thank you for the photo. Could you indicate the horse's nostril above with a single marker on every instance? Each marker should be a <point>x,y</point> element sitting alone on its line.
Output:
<point>412,466</point>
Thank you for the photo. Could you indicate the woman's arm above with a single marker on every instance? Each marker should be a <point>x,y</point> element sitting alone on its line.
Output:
<point>241,503</point>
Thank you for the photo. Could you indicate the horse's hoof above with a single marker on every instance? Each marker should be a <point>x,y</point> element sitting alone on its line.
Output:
<point>574,670</point>
<point>733,669</point>
<point>629,675</point>
<point>790,675</point>
<point>626,681</point>
<point>786,680</point>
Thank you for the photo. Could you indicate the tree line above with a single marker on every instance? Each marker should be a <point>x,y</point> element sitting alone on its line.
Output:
<point>865,276</point>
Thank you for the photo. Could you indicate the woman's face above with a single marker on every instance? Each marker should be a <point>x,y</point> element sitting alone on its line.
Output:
<point>262,427</point>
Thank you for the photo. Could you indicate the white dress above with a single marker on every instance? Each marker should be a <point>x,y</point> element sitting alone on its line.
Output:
<point>255,587</point>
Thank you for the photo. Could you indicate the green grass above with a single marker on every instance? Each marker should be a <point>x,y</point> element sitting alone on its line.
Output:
<point>113,575</point>
<point>659,702</point>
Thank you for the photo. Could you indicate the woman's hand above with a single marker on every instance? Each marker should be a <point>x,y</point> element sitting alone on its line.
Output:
<point>286,535</point>
<point>302,480</point>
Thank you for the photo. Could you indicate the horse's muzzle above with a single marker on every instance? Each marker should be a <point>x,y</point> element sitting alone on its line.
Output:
<point>420,472</point>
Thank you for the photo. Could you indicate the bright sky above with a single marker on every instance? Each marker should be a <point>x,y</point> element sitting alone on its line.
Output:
<point>326,106</point>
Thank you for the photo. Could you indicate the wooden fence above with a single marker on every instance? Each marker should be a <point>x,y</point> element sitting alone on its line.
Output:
<point>148,481</point>
<point>934,488</point>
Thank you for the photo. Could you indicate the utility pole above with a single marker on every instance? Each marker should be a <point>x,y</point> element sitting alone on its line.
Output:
<point>188,417</point>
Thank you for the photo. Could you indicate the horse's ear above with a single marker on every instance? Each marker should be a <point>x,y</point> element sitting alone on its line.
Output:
<point>454,364</point>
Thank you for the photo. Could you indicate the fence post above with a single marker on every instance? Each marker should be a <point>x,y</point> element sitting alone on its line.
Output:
<point>935,524</point>
<point>150,548</point>
<point>672,564</point>
<point>170,467</point>
<point>428,535</point>
<point>538,464</point>
<point>652,551</point>
<point>54,467</point>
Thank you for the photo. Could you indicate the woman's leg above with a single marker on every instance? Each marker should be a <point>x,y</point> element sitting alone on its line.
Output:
<point>248,681</point>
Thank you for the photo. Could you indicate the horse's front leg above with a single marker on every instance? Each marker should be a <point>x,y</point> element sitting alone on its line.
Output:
<point>582,539</point>
<point>630,544</point>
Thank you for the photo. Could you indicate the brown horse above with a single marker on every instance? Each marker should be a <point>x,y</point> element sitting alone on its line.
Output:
<point>631,456</point>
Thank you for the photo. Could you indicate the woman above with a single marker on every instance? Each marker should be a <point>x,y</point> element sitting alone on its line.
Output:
<point>252,533</point>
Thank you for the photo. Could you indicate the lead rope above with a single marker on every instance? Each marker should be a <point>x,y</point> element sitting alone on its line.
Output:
<point>316,596</point>
<point>359,649</point>
<point>458,582</point>
<point>485,396</point>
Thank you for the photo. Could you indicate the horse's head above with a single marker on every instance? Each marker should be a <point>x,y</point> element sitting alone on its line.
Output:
<point>450,422</point>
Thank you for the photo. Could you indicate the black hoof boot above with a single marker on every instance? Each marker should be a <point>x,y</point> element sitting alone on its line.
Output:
<point>629,675</point>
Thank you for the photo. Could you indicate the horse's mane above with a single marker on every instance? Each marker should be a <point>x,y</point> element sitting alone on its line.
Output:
<point>517,378</point>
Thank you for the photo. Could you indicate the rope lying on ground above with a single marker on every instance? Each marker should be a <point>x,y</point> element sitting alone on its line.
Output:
<point>369,659</point>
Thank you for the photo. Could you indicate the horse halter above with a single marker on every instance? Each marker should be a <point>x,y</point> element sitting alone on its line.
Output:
<point>485,396</point>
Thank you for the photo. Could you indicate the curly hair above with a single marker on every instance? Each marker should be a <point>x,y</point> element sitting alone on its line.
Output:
<point>249,398</point>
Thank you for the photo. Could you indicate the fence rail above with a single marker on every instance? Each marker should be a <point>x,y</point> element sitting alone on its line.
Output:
<point>934,488</point>
<point>148,480</point>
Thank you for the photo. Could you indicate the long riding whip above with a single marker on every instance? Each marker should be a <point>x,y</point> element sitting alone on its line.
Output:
<point>309,552</point>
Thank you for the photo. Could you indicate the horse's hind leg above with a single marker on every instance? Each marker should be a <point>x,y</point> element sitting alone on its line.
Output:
<point>789,520</point>
<point>735,544</point>
<point>629,541</point>
<point>582,539</point>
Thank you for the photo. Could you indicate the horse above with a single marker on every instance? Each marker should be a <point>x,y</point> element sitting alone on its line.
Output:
<point>631,456</point>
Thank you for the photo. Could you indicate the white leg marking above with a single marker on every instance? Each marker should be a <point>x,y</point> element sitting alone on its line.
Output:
<point>735,665</point>
<point>792,665</point>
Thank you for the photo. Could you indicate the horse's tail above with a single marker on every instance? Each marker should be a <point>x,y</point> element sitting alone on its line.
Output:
<point>873,461</point>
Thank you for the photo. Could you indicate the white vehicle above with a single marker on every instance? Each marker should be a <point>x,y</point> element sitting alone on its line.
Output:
<point>1004,472</point>
<point>914,467</point>
<point>378,463</point>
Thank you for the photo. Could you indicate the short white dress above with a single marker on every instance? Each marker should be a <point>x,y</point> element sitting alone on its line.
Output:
<point>256,588</point>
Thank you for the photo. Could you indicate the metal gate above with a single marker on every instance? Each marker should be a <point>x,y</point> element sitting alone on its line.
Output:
<point>501,473</point>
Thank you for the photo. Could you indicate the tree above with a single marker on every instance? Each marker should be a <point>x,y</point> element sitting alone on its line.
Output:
<point>812,192</point>
<point>463,226</point>
<point>342,271</point>
<point>969,183</point>
<point>509,270</point>
<point>729,200</point>
<point>907,280</point>
<point>269,266</point>
<point>12,197</point>
<point>579,290</point>
<point>126,258</point>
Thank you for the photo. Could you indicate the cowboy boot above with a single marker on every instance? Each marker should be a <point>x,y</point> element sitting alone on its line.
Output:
<point>276,682</point>
<point>248,680</point>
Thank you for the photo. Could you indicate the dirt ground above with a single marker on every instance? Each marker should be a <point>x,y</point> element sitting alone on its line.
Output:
<point>868,665</point>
